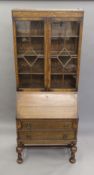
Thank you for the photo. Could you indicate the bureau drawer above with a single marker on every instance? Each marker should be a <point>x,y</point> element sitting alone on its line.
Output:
<point>46,135</point>
<point>29,124</point>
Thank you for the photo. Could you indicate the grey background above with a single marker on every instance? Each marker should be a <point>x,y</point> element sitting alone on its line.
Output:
<point>46,161</point>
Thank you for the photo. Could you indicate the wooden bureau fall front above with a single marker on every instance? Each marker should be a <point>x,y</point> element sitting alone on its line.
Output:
<point>47,46</point>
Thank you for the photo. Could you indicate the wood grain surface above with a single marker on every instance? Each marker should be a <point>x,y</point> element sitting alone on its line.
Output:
<point>46,105</point>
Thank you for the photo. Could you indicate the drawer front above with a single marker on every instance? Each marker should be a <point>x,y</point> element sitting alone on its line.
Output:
<point>44,124</point>
<point>46,135</point>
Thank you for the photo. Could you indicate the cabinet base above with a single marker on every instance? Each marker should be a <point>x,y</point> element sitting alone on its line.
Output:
<point>73,149</point>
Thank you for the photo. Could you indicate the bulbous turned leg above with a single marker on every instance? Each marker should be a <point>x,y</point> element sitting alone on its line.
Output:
<point>19,150</point>
<point>73,149</point>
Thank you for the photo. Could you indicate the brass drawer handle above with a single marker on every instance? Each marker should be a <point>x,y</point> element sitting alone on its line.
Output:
<point>65,136</point>
<point>28,137</point>
<point>27,126</point>
<point>67,125</point>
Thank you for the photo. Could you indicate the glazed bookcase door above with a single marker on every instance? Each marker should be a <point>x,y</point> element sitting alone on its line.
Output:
<point>47,50</point>
<point>64,54</point>
<point>30,53</point>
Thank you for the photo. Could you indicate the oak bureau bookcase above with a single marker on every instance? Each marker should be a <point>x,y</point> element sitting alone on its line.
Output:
<point>47,46</point>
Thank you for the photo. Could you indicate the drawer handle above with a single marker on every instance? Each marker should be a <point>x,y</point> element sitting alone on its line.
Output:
<point>65,136</point>
<point>67,125</point>
<point>28,137</point>
<point>27,126</point>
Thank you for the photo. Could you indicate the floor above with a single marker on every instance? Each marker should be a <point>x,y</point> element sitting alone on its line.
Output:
<point>45,161</point>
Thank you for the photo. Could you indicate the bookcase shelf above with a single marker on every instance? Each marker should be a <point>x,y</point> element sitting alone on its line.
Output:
<point>29,36</point>
<point>60,36</point>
